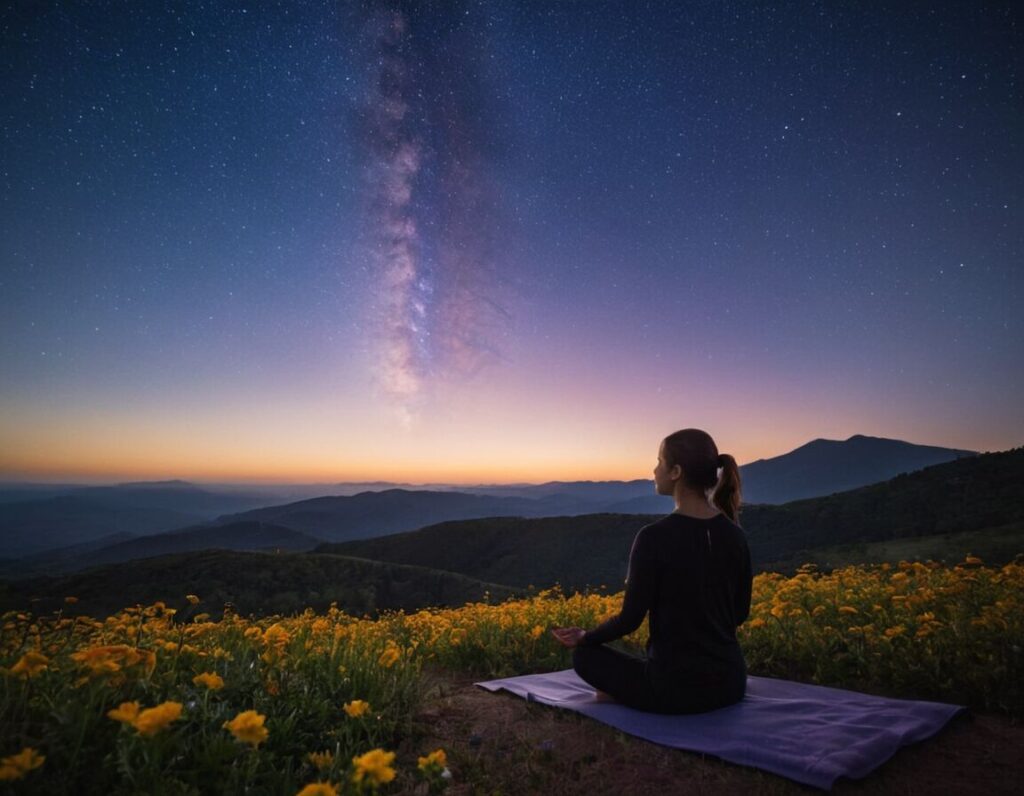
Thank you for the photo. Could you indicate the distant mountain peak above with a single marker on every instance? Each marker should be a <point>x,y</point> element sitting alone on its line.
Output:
<point>176,483</point>
<point>824,466</point>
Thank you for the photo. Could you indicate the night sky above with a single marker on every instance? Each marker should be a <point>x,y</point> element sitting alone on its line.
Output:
<point>502,241</point>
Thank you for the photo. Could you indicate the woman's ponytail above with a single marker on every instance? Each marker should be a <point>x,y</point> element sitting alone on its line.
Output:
<point>728,492</point>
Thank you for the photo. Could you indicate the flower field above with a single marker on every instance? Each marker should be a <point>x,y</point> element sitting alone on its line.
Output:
<point>163,700</point>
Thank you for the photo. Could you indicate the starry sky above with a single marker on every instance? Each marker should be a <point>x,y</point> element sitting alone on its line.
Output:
<point>490,241</point>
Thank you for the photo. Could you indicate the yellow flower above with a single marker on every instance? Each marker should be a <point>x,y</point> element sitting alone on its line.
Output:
<point>30,664</point>
<point>318,789</point>
<point>125,712</point>
<point>111,659</point>
<point>192,599</point>
<point>972,560</point>
<point>755,623</point>
<point>847,609</point>
<point>356,708</point>
<point>436,759</point>
<point>374,766</point>
<point>536,632</point>
<point>152,720</point>
<point>17,766</point>
<point>211,680</point>
<point>276,636</point>
<point>322,760</point>
<point>70,600</point>
<point>390,654</point>
<point>248,726</point>
<point>320,626</point>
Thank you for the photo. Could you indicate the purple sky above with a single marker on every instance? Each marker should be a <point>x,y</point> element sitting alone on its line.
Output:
<point>502,241</point>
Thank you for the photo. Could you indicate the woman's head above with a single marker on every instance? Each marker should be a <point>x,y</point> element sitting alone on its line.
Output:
<point>689,460</point>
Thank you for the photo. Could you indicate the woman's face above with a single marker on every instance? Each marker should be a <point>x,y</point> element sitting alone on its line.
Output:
<point>663,481</point>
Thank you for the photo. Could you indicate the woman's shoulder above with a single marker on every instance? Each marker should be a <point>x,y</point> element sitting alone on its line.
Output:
<point>672,525</point>
<point>675,522</point>
<point>675,519</point>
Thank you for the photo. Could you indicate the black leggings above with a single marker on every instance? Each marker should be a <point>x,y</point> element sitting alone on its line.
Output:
<point>631,682</point>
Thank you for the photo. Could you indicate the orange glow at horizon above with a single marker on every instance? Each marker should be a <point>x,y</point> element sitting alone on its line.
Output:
<point>96,464</point>
<point>547,423</point>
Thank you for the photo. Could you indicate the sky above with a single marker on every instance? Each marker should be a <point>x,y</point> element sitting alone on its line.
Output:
<point>488,241</point>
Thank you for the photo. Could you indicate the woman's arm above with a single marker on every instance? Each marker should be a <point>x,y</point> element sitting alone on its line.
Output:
<point>641,583</point>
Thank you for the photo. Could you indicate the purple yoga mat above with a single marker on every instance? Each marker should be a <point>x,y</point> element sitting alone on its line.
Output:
<point>808,733</point>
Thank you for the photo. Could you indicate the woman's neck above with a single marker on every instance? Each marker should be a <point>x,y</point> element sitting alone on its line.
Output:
<point>693,505</point>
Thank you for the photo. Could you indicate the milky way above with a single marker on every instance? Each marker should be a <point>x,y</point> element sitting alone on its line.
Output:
<point>431,208</point>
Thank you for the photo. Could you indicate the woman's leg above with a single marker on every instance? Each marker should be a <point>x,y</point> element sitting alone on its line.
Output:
<point>620,675</point>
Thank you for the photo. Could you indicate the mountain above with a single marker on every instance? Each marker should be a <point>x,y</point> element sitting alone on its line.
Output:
<point>598,493</point>
<point>31,526</point>
<point>144,508</point>
<point>967,505</point>
<point>821,467</point>
<point>971,495</point>
<point>175,496</point>
<point>59,560</point>
<point>244,535</point>
<point>16,491</point>
<point>824,466</point>
<point>86,513</point>
<point>370,514</point>
<point>257,583</point>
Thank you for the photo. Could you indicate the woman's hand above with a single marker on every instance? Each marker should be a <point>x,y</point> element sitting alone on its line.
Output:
<point>568,636</point>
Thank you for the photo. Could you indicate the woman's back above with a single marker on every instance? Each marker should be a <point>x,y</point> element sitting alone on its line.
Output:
<point>703,575</point>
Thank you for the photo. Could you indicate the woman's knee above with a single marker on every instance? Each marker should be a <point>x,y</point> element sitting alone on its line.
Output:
<point>581,658</point>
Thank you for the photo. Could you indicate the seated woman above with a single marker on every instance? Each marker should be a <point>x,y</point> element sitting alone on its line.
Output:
<point>691,570</point>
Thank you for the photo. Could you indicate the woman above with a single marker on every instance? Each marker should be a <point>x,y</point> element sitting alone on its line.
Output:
<point>691,571</point>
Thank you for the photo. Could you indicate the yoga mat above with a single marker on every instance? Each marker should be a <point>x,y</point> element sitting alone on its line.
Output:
<point>808,733</point>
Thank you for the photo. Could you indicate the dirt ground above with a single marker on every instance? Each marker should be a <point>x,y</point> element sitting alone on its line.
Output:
<point>500,744</point>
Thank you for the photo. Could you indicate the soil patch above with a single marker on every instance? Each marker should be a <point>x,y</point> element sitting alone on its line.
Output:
<point>501,744</point>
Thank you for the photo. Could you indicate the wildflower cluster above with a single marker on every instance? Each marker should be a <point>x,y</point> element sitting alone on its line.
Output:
<point>914,629</point>
<point>314,703</point>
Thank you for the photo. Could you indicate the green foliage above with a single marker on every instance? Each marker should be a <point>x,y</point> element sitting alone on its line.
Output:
<point>256,583</point>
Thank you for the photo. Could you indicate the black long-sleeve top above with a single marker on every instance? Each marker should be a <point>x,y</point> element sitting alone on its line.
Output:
<point>694,577</point>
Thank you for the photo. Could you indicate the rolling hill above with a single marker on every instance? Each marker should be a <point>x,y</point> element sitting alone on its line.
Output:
<point>371,514</point>
<point>246,535</point>
<point>254,583</point>
<point>32,526</point>
<point>33,519</point>
<point>974,495</point>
